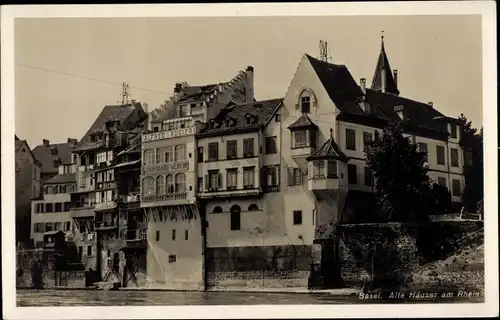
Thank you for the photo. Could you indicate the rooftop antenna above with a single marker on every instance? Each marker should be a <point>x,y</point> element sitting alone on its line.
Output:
<point>324,55</point>
<point>125,93</point>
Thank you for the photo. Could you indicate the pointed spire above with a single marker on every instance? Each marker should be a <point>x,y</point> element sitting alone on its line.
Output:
<point>383,79</point>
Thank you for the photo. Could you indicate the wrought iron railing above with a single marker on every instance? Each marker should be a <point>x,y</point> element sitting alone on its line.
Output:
<point>165,197</point>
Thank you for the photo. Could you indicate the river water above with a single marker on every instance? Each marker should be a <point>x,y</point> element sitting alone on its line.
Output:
<point>169,298</point>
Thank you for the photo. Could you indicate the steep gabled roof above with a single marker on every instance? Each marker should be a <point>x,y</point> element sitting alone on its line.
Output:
<point>303,122</point>
<point>51,155</point>
<point>383,66</point>
<point>233,118</point>
<point>329,150</point>
<point>119,113</point>
<point>19,144</point>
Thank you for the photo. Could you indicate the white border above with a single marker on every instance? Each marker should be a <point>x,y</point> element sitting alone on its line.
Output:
<point>484,8</point>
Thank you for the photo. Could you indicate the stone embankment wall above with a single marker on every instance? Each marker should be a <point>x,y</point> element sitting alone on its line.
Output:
<point>384,253</point>
<point>258,267</point>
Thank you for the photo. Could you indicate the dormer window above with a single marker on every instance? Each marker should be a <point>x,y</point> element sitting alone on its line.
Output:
<point>304,133</point>
<point>250,119</point>
<point>216,124</point>
<point>399,111</point>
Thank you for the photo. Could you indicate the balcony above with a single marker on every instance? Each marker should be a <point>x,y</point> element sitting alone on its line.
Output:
<point>136,239</point>
<point>82,211</point>
<point>165,199</point>
<point>101,206</point>
<point>230,192</point>
<point>105,225</point>
<point>271,189</point>
<point>113,244</point>
<point>167,166</point>
<point>83,189</point>
<point>105,185</point>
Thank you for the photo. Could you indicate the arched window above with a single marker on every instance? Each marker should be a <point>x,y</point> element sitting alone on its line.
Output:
<point>158,156</point>
<point>180,182</point>
<point>148,186</point>
<point>149,157</point>
<point>170,184</point>
<point>168,155</point>
<point>160,185</point>
<point>235,217</point>
<point>180,152</point>
<point>253,207</point>
<point>217,210</point>
<point>307,99</point>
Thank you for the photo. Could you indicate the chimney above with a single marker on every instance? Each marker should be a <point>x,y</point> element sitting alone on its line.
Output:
<point>45,142</point>
<point>362,82</point>
<point>431,103</point>
<point>72,142</point>
<point>177,91</point>
<point>396,77</point>
<point>249,85</point>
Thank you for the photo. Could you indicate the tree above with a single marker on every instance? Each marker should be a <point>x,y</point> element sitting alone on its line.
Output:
<point>402,186</point>
<point>472,143</point>
<point>439,199</point>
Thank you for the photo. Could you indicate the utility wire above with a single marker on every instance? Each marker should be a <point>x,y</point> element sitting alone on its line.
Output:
<point>87,78</point>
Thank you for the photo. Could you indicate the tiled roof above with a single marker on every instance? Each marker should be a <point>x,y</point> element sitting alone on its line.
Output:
<point>50,155</point>
<point>110,113</point>
<point>62,178</point>
<point>302,122</point>
<point>346,94</point>
<point>383,65</point>
<point>329,150</point>
<point>249,116</point>
<point>197,93</point>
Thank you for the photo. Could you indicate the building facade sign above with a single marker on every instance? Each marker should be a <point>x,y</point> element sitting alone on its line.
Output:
<point>165,167</point>
<point>168,134</point>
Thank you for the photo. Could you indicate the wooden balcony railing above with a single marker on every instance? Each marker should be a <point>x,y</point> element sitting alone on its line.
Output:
<point>165,197</point>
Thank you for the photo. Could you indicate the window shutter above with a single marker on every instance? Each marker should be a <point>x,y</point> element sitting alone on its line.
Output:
<point>290,177</point>
<point>263,177</point>
<point>219,182</point>
<point>207,182</point>
<point>299,173</point>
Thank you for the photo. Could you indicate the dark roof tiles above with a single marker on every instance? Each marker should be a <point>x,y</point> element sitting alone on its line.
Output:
<point>62,178</point>
<point>383,66</point>
<point>50,156</point>
<point>329,150</point>
<point>302,122</point>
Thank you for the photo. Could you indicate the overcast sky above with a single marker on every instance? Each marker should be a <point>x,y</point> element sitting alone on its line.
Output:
<point>77,65</point>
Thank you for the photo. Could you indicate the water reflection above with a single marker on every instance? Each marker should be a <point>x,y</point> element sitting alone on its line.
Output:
<point>141,298</point>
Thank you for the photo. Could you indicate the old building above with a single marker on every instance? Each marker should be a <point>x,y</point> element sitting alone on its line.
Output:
<point>169,179</point>
<point>102,189</point>
<point>27,188</point>
<point>53,155</point>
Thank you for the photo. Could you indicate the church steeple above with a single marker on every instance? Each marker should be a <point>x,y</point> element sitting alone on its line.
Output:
<point>383,79</point>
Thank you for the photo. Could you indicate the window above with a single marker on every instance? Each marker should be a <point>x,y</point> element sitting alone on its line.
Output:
<point>58,207</point>
<point>440,155</point>
<point>453,131</point>
<point>248,178</point>
<point>200,154</point>
<point>350,139</point>
<point>352,174</point>
<point>168,155</point>
<point>235,217</point>
<point>231,176</point>
<point>455,185</point>
<point>368,177</point>
<point>367,138</point>
<point>332,169</point>
<point>305,104</point>
<point>422,147</point>
<point>57,226</point>
<point>158,156</point>
<point>148,186</point>
<point>48,208</point>
<point>214,180</point>
<point>157,236</point>
<point>183,111</point>
<point>270,144</point>
<point>186,234</point>
<point>442,182</point>
<point>253,207</point>
<point>454,157</point>
<point>297,217</point>
<point>180,182</point>
<point>300,139</point>
<point>173,234</point>
<point>67,226</point>
<point>101,157</point>
<point>180,152</point>
<point>217,210</point>
<point>294,176</point>
<point>49,226</point>
<point>148,157</point>
<point>277,117</point>
<point>89,250</point>
<point>160,185</point>
<point>318,169</point>
<point>170,184</point>
<point>156,129</point>
<point>200,184</point>
<point>231,149</point>
<point>172,258</point>
<point>248,147</point>
<point>272,175</point>
<point>213,151</point>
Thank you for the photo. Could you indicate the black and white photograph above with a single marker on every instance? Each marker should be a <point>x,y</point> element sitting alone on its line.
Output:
<point>249,155</point>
